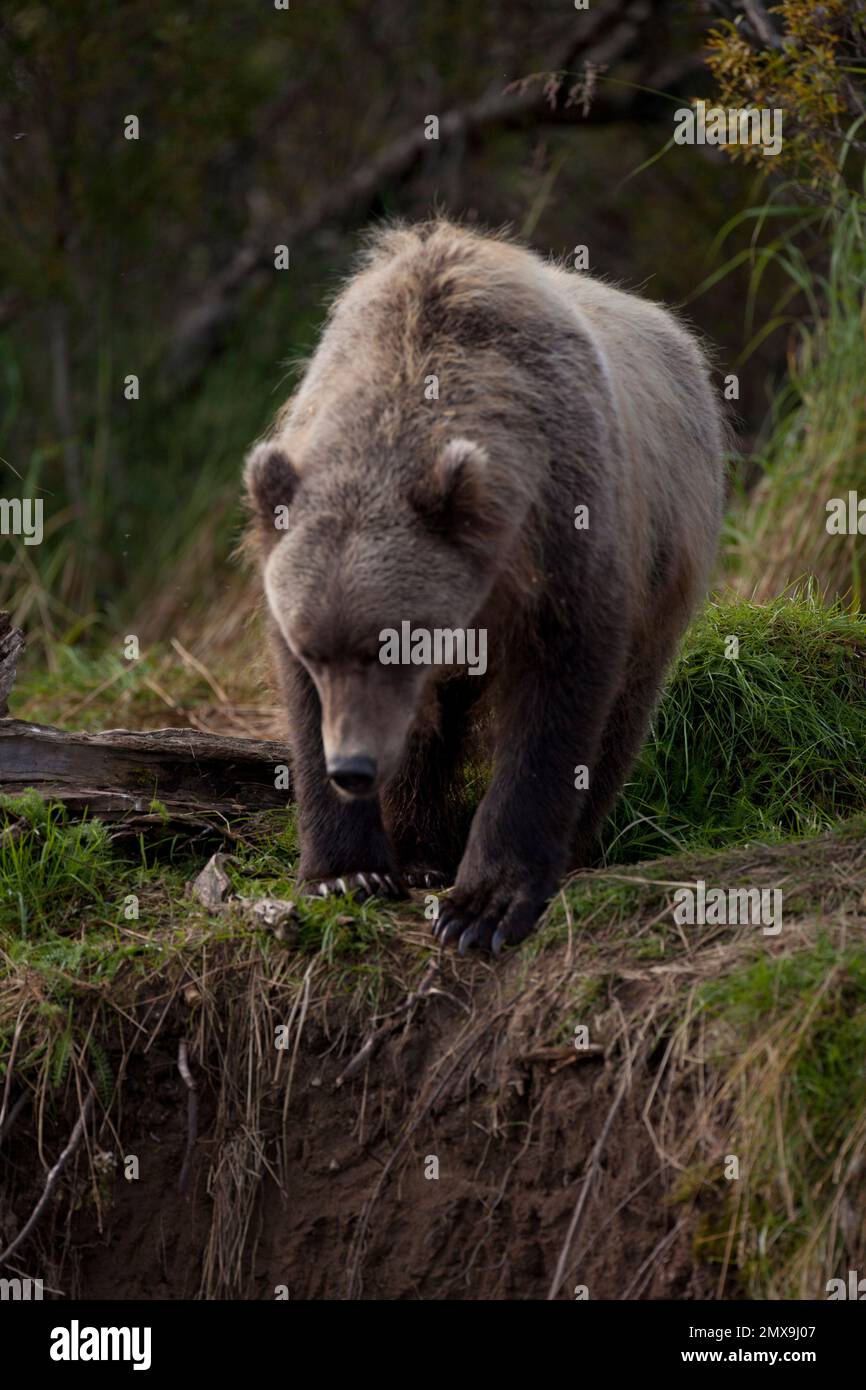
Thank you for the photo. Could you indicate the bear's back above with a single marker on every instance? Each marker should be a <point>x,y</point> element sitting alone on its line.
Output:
<point>435,287</point>
<point>518,345</point>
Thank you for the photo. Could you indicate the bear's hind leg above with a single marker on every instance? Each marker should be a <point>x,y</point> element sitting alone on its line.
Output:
<point>624,735</point>
<point>423,810</point>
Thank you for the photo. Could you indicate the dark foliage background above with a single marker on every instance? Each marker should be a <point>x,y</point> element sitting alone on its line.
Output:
<point>261,126</point>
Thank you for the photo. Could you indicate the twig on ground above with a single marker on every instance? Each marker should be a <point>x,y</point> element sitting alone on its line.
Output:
<point>647,1266</point>
<point>51,1181</point>
<point>192,1115</point>
<point>560,1057</point>
<point>200,669</point>
<point>374,1040</point>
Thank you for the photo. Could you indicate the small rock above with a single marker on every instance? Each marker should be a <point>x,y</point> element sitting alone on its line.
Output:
<point>276,913</point>
<point>212,885</point>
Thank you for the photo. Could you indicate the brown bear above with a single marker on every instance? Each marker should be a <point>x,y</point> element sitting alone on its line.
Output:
<point>486,444</point>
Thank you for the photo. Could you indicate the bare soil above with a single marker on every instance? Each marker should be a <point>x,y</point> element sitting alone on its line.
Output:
<point>513,1137</point>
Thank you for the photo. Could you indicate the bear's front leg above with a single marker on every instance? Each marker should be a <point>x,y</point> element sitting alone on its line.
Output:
<point>548,723</point>
<point>344,847</point>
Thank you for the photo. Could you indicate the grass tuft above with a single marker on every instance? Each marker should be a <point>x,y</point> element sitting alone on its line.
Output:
<point>765,744</point>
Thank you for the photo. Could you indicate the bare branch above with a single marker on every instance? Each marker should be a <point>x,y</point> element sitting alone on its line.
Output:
<point>761,23</point>
<point>599,37</point>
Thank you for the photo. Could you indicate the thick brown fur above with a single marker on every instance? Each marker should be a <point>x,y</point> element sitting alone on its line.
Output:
<point>554,391</point>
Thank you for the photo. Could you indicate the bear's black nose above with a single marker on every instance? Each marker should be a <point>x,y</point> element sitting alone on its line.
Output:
<point>353,775</point>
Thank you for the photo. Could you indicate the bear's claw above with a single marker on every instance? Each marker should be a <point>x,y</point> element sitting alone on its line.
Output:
<point>424,878</point>
<point>504,923</point>
<point>362,885</point>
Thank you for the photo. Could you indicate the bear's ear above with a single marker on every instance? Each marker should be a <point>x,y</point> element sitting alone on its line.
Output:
<point>458,500</point>
<point>271,481</point>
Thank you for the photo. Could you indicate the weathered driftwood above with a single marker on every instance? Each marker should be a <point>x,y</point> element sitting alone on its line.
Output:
<point>11,644</point>
<point>200,779</point>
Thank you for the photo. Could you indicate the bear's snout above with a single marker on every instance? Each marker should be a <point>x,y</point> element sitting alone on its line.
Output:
<point>356,776</point>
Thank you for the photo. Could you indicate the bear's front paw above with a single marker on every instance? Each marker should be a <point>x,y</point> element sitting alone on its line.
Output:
<point>489,917</point>
<point>361,885</point>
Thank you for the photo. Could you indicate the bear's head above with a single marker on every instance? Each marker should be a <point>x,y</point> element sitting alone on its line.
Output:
<point>351,557</point>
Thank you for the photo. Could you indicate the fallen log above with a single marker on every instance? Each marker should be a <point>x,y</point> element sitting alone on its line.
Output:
<point>118,775</point>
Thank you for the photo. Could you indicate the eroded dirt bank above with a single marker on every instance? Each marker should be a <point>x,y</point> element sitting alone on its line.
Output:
<point>464,1137</point>
<point>512,1137</point>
